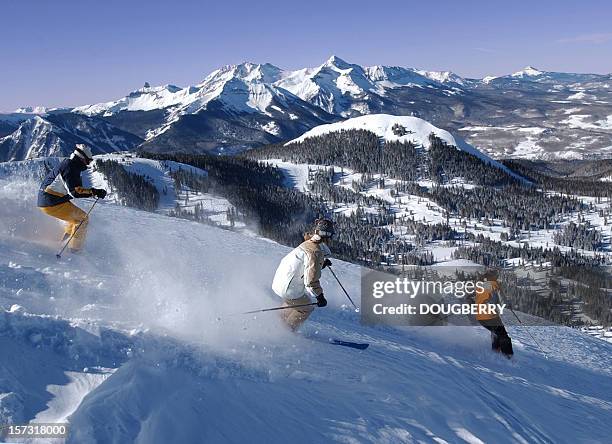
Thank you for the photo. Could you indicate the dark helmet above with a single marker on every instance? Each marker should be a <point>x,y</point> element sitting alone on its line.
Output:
<point>324,228</point>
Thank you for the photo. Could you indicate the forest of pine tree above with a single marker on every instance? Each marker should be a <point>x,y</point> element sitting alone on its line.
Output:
<point>579,236</point>
<point>570,186</point>
<point>132,189</point>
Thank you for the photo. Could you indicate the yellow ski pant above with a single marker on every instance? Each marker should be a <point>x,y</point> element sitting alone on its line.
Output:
<point>73,216</point>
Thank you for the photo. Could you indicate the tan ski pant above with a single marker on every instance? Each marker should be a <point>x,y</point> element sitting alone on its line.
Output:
<point>295,317</point>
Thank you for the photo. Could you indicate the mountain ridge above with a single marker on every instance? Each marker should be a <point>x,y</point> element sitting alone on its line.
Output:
<point>527,114</point>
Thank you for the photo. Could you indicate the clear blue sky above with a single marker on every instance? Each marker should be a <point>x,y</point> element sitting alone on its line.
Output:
<point>72,52</point>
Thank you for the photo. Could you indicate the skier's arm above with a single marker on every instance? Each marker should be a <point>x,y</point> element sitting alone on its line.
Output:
<point>483,296</point>
<point>75,185</point>
<point>312,273</point>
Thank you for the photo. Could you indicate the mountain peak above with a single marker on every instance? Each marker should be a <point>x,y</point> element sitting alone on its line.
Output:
<point>336,61</point>
<point>442,76</point>
<point>248,71</point>
<point>528,71</point>
<point>32,110</point>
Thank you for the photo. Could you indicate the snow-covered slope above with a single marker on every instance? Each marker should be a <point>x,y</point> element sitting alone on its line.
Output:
<point>417,132</point>
<point>139,340</point>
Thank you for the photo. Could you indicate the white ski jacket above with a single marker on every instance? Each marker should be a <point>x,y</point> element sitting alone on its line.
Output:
<point>299,272</point>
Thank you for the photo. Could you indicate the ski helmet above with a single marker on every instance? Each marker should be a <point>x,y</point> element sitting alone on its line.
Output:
<point>324,228</point>
<point>82,151</point>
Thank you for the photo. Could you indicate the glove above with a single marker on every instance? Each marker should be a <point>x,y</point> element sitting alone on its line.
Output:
<point>321,301</point>
<point>99,192</point>
<point>326,263</point>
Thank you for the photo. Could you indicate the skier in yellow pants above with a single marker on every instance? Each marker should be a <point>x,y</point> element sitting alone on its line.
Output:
<point>73,216</point>
<point>61,185</point>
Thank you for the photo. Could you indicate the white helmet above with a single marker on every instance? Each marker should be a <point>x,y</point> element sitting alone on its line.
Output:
<point>83,151</point>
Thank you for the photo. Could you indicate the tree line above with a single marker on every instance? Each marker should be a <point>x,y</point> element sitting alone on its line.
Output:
<point>132,189</point>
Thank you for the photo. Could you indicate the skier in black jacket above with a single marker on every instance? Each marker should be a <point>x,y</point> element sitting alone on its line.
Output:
<point>61,185</point>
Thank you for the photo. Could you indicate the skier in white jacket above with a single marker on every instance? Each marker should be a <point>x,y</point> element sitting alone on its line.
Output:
<point>297,279</point>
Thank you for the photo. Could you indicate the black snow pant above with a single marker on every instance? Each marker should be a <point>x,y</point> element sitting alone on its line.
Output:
<point>500,341</point>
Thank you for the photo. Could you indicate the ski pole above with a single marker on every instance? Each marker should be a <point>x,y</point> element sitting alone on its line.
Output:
<point>280,308</point>
<point>527,329</point>
<point>59,255</point>
<point>342,286</point>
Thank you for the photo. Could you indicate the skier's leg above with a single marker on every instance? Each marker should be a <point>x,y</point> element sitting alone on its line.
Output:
<point>493,326</point>
<point>56,211</point>
<point>73,216</point>
<point>295,317</point>
<point>505,342</point>
<point>494,340</point>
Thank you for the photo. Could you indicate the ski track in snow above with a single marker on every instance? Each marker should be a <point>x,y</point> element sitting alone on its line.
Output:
<point>124,341</point>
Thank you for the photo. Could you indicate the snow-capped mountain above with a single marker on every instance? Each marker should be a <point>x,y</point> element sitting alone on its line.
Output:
<point>235,105</point>
<point>146,98</point>
<point>347,89</point>
<point>35,137</point>
<point>57,135</point>
<point>336,86</point>
<point>528,71</point>
<point>531,74</point>
<point>445,77</point>
<point>530,113</point>
<point>32,110</point>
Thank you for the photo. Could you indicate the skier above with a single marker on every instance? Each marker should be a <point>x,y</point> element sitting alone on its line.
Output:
<point>297,277</point>
<point>500,341</point>
<point>64,183</point>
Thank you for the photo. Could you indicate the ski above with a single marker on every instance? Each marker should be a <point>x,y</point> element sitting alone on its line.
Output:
<point>356,345</point>
<point>336,341</point>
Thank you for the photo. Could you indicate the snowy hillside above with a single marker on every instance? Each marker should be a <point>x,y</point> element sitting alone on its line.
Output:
<point>139,339</point>
<point>172,197</point>
<point>317,164</point>
<point>410,207</point>
<point>416,130</point>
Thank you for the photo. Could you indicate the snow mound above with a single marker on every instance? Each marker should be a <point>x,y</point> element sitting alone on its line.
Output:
<point>528,71</point>
<point>417,132</point>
